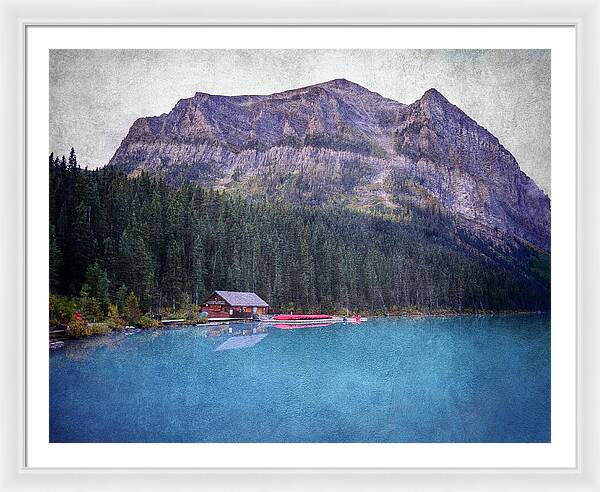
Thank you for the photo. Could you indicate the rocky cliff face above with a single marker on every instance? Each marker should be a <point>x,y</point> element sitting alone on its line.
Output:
<point>470,172</point>
<point>339,141</point>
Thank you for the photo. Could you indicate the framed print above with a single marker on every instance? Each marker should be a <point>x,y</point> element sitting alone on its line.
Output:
<point>289,246</point>
<point>229,244</point>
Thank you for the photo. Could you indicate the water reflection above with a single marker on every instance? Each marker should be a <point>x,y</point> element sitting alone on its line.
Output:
<point>236,336</point>
<point>80,349</point>
<point>221,336</point>
<point>244,341</point>
<point>297,326</point>
<point>246,335</point>
<point>386,380</point>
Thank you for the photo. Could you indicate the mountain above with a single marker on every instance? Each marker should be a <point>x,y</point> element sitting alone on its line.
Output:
<point>338,142</point>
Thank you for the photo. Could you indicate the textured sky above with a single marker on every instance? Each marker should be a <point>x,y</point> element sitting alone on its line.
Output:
<point>95,95</point>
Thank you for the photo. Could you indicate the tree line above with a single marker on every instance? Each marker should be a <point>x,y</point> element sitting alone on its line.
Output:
<point>111,235</point>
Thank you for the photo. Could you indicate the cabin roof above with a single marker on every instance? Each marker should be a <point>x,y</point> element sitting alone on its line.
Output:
<point>241,298</point>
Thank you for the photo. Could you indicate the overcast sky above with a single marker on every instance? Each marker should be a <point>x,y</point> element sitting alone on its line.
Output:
<point>95,95</point>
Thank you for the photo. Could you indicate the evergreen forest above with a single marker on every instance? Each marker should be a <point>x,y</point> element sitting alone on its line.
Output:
<point>112,235</point>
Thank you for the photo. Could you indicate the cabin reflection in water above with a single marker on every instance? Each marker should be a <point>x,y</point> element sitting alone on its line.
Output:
<point>237,336</point>
<point>241,342</point>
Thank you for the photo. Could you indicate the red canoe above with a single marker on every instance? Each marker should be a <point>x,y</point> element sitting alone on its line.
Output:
<point>300,317</point>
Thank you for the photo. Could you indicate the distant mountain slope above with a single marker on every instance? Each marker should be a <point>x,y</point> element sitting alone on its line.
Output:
<point>470,172</point>
<point>340,142</point>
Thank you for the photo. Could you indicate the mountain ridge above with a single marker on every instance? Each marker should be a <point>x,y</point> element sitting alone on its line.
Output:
<point>337,140</point>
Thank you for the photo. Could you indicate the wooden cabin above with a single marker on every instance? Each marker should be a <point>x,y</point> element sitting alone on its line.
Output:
<point>227,304</point>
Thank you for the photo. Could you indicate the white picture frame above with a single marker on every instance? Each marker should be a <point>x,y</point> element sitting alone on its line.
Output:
<point>583,15</point>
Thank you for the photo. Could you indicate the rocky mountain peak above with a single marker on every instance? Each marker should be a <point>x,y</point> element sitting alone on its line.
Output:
<point>331,85</point>
<point>433,95</point>
<point>344,142</point>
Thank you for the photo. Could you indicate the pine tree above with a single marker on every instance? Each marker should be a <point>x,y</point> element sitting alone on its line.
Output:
<point>131,309</point>
<point>197,271</point>
<point>136,266</point>
<point>72,160</point>
<point>172,279</point>
<point>307,275</point>
<point>97,280</point>
<point>121,297</point>
<point>83,241</point>
<point>54,261</point>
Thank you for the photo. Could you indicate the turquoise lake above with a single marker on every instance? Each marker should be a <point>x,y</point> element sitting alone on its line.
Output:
<point>429,379</point>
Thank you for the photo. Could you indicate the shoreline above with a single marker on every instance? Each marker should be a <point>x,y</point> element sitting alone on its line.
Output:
<point>408,315</point>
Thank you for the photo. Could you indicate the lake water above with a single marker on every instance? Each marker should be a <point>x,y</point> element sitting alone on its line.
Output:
<point>432,379</point>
